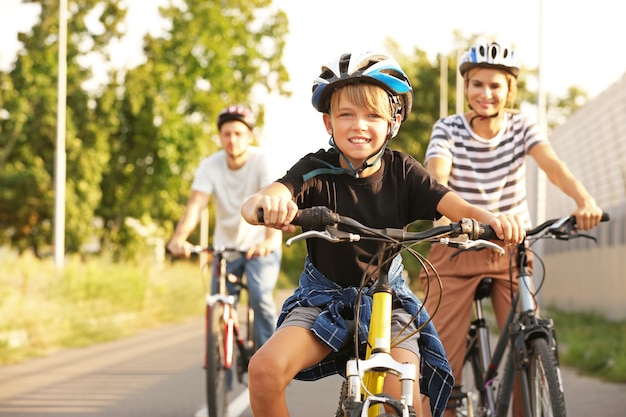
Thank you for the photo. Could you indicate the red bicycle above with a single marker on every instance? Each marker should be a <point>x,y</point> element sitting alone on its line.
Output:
<point>229,345</point>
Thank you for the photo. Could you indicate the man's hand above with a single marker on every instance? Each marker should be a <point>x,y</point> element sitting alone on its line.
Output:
<point>261,249</point>
<point>179,248</point>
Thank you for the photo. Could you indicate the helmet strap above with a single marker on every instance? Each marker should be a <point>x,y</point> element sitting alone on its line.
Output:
<point>471,122</point>
<point>354,172</point>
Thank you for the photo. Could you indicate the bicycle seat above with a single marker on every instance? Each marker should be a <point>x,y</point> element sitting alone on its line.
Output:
<point>484,288</point>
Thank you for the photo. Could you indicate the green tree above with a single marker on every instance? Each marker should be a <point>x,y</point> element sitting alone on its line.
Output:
<point>215,53</point>
<point>28,128</point>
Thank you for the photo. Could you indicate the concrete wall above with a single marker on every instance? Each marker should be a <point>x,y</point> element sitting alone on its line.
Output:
<point>587,276</point>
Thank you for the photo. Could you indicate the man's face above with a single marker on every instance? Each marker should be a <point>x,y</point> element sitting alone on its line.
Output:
<point>235,138</point>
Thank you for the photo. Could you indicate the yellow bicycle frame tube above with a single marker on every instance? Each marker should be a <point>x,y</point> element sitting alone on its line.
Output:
<point>379,340</point>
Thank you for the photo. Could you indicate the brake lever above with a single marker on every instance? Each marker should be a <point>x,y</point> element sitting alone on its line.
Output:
<point>330,234</point>
<point>464,243</point>
<point>576,235</point>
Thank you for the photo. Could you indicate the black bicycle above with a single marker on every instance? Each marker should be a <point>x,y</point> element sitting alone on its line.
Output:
<point>229,344</point>
<point>528,342</point>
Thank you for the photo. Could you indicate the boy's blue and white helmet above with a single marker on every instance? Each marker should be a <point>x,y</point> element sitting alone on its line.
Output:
<point>375,68</point>
<point>489,55</point>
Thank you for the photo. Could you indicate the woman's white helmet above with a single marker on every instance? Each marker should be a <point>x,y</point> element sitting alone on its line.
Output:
<point>489,55</point>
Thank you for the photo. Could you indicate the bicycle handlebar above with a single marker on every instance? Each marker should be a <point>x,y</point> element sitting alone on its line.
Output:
<point>323,223</point>
<point>197,249</point>
<point>562,228</point>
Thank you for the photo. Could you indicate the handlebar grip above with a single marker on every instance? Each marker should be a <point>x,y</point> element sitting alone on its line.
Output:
<point>313,218</point>
<point>605,218</point>
<point>486,232</point>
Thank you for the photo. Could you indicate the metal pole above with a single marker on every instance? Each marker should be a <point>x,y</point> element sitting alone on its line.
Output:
<point>460,86</point>
<point>443,86</point>
<point>541,119</point>
<point>204,235</point>
<point>60,157</point>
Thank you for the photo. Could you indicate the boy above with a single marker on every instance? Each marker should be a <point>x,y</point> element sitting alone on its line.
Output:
<point>364,99</point>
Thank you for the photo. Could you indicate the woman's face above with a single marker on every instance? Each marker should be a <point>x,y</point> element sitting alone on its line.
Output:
<point>358,131</point>
<point>487,90</point>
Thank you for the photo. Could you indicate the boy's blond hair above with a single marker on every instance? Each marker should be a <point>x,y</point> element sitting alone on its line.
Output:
<point>370,96</point>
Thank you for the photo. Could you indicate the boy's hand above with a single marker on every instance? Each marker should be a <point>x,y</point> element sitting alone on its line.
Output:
<point>278,211</point>
<point>509,228</point>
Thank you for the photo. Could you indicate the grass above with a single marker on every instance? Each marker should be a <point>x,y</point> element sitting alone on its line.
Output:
<point>591,344</point>
<point>43,309</point>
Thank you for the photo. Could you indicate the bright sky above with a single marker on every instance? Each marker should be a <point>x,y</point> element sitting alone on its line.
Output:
<point>581,44</point>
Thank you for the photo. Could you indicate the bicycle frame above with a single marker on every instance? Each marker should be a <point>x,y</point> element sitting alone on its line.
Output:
<point>230,320</point>
<point>365,377</point>
<point>378,353</point>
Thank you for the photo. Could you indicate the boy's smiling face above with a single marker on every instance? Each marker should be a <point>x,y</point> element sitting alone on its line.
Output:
<point>359,130</point>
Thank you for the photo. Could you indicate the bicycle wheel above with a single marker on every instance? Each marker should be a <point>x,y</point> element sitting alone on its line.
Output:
<point>252,346</point>
<point>469,399</point>
<point>216,373</point>
<point>342,398</point>
<point>544,380</point>
<point>248,348</point>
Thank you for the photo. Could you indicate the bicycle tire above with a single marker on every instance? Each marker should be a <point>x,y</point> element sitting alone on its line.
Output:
<point>471,398</point>
<point>216,372</point>
<point>505,390</point>
<point>544,383</point>
<point>250,333</point>
<point>343,393</point>
<point>544,380</point>
<point>248,347</point>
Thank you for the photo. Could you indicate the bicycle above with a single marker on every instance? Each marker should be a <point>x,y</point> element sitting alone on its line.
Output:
<point>528,340</point>
<point>228,345</point>
<point>361,393</point>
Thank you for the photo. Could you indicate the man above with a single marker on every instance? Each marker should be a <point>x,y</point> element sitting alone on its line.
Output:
<point>230,175</point>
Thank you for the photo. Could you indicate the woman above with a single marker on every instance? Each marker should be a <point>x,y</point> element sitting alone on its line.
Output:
<point>480,154</point>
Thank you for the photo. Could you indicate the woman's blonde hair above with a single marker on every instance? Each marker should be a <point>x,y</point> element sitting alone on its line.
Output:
<point>370,96</point>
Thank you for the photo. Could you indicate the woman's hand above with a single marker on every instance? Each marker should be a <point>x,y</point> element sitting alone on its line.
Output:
<point>588,215</point>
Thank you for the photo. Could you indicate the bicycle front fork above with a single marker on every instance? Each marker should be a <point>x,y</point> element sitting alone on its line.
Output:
<point>356,369</point>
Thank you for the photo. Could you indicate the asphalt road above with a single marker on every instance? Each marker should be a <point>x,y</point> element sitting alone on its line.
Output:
<point>158,373</point>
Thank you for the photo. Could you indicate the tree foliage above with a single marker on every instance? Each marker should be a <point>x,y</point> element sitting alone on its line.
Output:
<point>28,132</point>
<point>131,146</point>
<point>216,53</point>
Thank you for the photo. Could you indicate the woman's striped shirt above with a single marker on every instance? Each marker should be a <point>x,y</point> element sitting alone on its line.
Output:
<point>489,173</point>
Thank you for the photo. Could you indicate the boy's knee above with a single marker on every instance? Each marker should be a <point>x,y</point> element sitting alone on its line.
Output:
<point>261,365</point>
<point>265,370</point>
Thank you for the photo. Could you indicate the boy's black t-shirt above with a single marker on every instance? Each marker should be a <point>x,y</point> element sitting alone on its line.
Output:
<point>401,192</point>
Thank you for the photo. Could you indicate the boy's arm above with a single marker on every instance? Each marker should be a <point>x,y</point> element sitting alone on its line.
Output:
<point>439,169</point>
<point>588,214</point>
<point>277,204</point>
